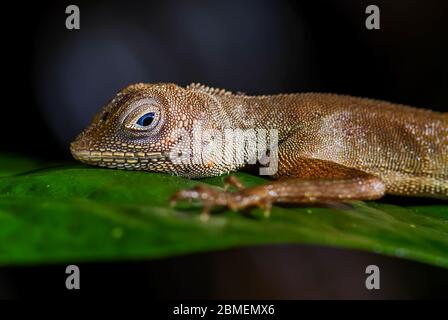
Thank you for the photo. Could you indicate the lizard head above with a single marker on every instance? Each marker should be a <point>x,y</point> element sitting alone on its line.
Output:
<point>141,129</point>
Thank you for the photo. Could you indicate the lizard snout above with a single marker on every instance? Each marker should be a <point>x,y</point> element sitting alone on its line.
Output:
<point>80,148</point>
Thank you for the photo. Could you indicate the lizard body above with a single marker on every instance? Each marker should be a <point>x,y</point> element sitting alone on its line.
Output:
<point>330,147</point>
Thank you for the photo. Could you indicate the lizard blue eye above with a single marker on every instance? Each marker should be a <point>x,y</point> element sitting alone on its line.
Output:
<point>146,119</point>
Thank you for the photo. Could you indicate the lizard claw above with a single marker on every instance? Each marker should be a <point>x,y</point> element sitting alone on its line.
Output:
<point>234,182</point>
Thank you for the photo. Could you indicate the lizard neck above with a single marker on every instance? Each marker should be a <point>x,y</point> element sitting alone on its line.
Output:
<point>279,112</point>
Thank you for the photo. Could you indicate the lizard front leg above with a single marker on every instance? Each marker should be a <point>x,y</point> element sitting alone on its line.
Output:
<point>299,181</point>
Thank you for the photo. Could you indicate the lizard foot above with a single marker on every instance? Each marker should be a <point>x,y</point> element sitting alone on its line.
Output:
<point>208,196</point>
<point>211,197</point>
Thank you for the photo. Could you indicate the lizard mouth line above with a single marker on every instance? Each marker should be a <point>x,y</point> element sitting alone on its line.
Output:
<point>96,157</point>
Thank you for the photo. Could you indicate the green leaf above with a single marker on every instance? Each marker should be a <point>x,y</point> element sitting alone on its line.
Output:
<point>73,213</point>
<point>11,164</point>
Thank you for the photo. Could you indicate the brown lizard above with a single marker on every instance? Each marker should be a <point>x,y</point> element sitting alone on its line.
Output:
<point>330,147</point>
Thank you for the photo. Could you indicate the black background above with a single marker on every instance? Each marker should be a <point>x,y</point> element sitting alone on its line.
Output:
<point>56,79</point>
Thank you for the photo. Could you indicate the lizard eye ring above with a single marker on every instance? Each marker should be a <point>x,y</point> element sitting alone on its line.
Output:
<point>144,117</point>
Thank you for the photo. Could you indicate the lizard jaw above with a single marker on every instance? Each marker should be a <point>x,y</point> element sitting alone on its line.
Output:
<point>138,160</point>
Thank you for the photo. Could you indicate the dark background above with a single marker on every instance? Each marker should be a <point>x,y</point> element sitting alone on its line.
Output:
<point>56,79</point>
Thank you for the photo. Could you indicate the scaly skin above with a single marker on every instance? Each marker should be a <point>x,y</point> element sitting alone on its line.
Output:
<point>331,147</point>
